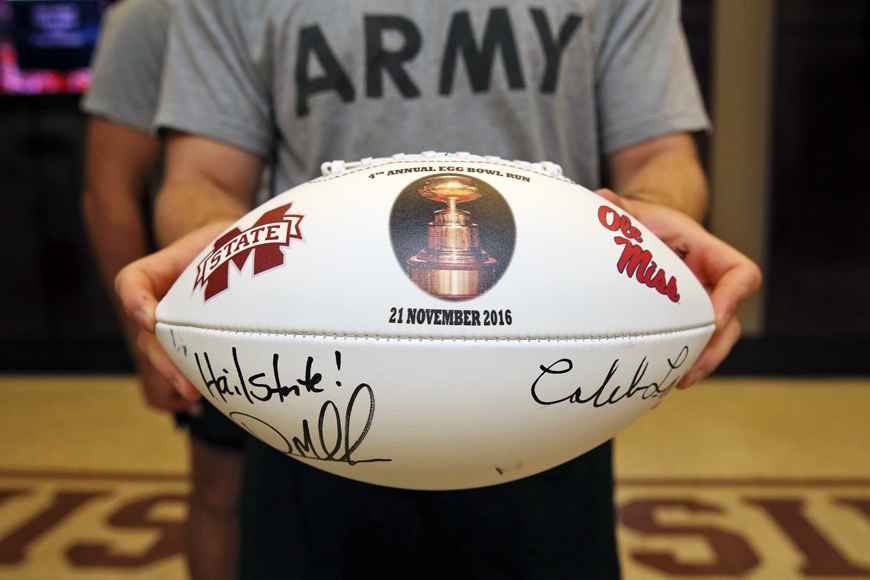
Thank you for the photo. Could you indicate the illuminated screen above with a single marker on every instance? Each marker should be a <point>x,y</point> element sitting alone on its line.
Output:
<point>46,45</point>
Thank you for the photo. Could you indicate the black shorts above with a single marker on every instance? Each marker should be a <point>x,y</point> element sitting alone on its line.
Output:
<point>301,522</point>
<point>213,427</point>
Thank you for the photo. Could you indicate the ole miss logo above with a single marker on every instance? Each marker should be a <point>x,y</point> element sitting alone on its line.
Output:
<point>635,261</point>
<point>264,239</point>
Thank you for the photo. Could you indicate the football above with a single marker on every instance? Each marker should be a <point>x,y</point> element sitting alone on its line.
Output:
<point>436,321</point>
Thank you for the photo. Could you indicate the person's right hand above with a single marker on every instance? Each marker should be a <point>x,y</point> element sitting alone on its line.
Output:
<point>140,286</point>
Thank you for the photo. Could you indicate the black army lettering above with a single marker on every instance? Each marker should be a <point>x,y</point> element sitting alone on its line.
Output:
<point>460,43</point>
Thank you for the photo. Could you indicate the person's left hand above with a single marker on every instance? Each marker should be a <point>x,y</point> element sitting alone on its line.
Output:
<point>729,276</point>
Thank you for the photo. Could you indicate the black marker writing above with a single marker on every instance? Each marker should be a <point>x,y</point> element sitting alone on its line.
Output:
<point>329,422</point>
<point>221,383</point>
<point>600,398</point>
<point>254,387</point>
<point>310,381</point>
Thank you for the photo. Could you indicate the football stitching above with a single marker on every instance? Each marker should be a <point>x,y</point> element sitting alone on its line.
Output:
<point>503,163</point>
<point>661,333</point>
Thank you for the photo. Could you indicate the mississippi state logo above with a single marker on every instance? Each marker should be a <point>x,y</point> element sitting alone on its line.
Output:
<point>264,239</point>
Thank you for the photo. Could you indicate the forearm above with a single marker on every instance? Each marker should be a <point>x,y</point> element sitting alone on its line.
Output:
<point>116,231</point>
<point>666,171</point>
<point>207,182</point>
<point>187,205</point>
<point>118,162</point>
<point>118,237</point>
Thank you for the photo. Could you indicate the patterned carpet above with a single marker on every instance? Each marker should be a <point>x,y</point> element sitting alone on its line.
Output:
<point>757,479</point>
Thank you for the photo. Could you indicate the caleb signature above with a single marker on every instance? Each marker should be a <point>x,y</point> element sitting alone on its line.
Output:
<point>599,398</point>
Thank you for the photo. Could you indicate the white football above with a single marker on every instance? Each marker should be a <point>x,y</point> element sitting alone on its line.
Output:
<point>436,321</point>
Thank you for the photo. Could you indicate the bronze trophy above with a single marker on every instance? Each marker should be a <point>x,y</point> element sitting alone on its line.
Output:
<point>453,267</point>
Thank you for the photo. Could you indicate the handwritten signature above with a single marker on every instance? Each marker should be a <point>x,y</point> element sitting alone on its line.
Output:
<point>339,451</point>
<point>257,388</point>
<point>604,396</point>
<point>249,387</point>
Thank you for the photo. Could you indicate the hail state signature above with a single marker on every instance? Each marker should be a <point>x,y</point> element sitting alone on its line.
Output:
<point>274,229</point>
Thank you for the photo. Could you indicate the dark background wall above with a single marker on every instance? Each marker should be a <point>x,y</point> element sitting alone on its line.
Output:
<point>818,299</point>
<point>56,315</point>
<point>820,268</point>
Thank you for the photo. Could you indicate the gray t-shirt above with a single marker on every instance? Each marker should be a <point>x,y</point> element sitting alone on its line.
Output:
<point>128,64</point>
<point>312,81</point>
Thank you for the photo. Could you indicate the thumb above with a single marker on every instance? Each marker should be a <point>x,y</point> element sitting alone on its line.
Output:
<point>610,196</point>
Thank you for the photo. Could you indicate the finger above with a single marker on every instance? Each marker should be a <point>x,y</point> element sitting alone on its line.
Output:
<point>159,392</point>
<point>169,400</point>
<point>732,288</point>
<point>717,349</point>
<point>140,285</point>
<point>136,291</point>
<point>610,196</point>
<point>151,348</point>
<point>729,276</point>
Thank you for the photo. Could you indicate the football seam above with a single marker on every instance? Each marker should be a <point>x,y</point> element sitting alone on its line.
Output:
<point>502,163</point>
<point>660,333</point>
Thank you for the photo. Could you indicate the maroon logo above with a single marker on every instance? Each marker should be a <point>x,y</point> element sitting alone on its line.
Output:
<point>264,239</point>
